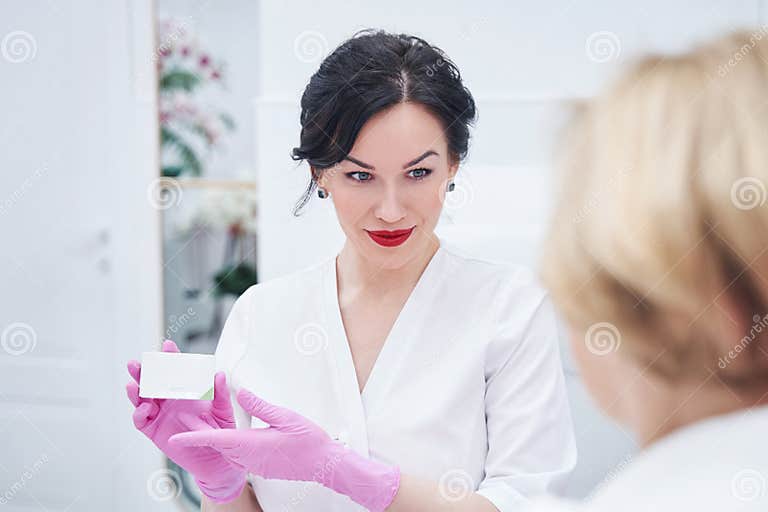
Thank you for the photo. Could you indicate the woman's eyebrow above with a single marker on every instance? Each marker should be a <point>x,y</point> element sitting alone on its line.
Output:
<point>412,162</point>
<point>358,162</point>
<point>419,159</point>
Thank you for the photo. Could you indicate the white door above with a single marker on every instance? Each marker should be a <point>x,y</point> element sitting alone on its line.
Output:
<point>79,243</point>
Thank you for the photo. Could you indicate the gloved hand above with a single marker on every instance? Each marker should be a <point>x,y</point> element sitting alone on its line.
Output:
<point>294,448</point>
<point>159,419</point>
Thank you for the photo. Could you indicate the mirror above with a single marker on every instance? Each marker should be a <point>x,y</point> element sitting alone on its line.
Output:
<point>207,192</point>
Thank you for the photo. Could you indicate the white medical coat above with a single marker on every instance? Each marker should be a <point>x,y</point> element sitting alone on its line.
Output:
<point>715,465</point>
<point>468,389</point>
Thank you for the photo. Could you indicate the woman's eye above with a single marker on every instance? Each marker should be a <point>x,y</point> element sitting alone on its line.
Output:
<point>420,173</point>
<point>359,175</point>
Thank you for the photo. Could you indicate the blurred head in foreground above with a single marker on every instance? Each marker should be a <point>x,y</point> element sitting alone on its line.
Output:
<point>657,256</point>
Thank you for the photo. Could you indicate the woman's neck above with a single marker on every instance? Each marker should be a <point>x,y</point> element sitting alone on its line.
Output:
<point>357,274</point>
<point>685,404</point>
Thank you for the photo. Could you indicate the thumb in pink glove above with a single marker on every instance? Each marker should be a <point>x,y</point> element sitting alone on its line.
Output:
<point>295,448</point>
<point>159,419</point>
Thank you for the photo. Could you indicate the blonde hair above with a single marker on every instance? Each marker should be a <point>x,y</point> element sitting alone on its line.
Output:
<point>660,229</point>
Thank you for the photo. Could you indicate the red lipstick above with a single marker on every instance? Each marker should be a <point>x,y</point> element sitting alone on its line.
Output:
<point>390,238</point>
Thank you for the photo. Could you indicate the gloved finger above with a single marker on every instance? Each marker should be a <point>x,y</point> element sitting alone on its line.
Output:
<point>273,415</point>
<point>132,390</point>
<point>193,422</point>
<point>222,440</point>
<point>221,408</point>
<point>170,346</point>
<point>144,413</point>
<point>214,423</point>
<point>134,369</point>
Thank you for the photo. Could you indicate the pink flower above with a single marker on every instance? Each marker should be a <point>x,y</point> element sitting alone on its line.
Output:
<point>204,60</point>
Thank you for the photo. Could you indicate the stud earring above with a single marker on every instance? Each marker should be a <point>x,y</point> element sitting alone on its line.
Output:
<point>451,186</point>
<point>322,193</point>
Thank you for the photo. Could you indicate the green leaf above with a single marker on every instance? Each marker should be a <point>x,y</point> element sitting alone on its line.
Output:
<point>198,129</point>
<point>172,171</point>
<point>208,395</point>
<point>227,120</point>
<point>179,79</point>
<point>189,160</point>
<point>234,280</point>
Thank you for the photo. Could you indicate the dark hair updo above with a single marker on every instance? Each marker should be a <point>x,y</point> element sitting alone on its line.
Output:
<point>368,73</point>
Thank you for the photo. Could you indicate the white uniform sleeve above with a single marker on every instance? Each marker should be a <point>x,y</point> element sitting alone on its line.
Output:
<point>552,504</point>
<point>232,346</point>
<point>531,444</point>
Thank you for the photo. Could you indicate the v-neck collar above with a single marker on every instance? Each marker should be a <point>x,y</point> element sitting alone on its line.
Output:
<point>390,353</point>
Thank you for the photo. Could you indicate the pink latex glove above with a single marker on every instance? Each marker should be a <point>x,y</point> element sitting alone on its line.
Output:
<point>294,448</point>
<point>159,419</point>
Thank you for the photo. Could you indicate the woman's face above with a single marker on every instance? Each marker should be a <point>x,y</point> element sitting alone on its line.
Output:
<point>394,179</point>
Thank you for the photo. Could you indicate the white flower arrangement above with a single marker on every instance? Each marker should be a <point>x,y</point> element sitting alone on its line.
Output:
<point>231,209</point>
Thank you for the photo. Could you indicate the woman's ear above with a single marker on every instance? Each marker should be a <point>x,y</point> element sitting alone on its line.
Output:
<point>318,176</point>
<point>737,328</point>
<point>453,169</point>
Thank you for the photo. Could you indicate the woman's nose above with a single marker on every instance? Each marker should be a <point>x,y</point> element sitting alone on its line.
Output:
<point>390,208</point>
